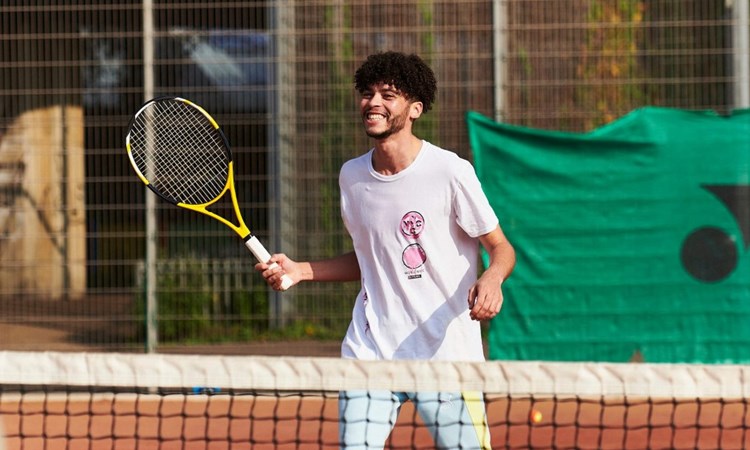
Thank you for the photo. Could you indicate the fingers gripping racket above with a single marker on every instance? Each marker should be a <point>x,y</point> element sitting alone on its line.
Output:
<point>179,152</point>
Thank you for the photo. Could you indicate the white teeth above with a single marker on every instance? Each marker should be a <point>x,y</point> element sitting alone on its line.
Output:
<point>375,117</point>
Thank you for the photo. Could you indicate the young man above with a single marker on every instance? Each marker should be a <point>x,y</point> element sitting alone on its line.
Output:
<point>415,213</point>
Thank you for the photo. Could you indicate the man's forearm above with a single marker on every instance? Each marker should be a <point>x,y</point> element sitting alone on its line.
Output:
<point>340,268</point>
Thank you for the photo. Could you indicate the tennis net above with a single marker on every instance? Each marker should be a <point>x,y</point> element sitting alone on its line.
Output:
<point>61,400</point>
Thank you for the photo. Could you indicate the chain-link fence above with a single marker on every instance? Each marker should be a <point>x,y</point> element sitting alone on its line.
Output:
<point>277,75</point>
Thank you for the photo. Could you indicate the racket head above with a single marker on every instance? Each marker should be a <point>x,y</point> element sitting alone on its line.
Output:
<point>179,151</point>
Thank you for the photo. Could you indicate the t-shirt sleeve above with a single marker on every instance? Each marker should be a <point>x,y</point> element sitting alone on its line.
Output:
<point>473,211</point>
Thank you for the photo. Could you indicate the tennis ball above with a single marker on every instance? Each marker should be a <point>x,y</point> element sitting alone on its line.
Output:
<point>535,416</point>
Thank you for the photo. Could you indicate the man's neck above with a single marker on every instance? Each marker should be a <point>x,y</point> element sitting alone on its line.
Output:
<point>394,154</point>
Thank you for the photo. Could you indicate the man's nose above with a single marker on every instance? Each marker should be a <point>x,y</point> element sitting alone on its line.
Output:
<point>376,99</point>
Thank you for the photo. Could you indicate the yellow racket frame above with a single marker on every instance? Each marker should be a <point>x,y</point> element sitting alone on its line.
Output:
<point>251,242</point>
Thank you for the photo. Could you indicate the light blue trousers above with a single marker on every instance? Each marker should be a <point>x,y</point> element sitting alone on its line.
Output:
<point>455,420</point>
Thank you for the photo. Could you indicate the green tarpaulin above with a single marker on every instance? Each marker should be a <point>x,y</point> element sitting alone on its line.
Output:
<point>632,240</point>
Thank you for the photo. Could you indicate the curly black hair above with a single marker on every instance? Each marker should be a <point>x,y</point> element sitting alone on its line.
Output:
<point>407,73</point>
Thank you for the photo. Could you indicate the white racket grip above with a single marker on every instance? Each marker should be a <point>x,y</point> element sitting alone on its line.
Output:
<point>262,255</point>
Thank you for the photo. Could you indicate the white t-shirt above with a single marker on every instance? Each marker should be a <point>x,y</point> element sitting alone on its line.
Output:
<point>414,234</point>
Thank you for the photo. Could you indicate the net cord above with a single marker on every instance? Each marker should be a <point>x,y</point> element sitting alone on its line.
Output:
<point>554,379</point>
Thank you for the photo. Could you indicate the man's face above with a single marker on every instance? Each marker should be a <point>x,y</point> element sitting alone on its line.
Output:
<point>385,110</point>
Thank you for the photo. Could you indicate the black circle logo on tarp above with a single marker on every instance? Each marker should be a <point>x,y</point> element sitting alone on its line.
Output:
<point>710,253</point>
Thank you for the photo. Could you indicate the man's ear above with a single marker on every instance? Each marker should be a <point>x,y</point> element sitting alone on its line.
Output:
<point>415,110</point>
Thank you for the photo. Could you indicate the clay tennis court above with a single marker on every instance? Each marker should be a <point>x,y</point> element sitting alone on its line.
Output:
<point>130,421</point>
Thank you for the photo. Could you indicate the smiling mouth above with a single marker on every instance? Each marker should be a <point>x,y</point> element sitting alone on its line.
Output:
<point>374,117</point>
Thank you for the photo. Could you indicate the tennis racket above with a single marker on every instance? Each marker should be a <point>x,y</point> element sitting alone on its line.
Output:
<point>178,150</point>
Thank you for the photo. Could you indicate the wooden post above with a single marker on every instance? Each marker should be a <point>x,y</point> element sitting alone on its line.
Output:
<point>42,215</point>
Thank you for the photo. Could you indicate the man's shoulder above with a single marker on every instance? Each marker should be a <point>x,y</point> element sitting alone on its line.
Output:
<point>447,158</point>
<point>357,160</point>
<point>355,169</point>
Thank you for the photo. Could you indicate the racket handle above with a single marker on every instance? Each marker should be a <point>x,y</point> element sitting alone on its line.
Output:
<point>262,255</point>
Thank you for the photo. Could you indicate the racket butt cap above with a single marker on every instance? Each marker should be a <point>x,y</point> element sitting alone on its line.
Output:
<point>286,283</point>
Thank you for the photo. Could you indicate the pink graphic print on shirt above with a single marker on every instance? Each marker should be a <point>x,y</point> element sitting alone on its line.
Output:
<point>412,226</point>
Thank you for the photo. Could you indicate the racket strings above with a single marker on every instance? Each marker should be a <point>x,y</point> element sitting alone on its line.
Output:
<point>180,152</point>
<point>195,176</point>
